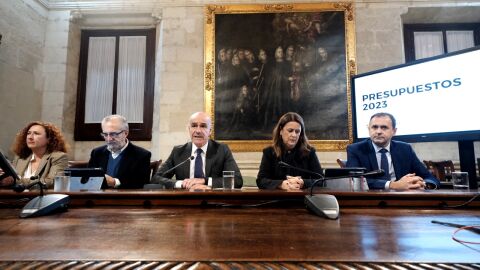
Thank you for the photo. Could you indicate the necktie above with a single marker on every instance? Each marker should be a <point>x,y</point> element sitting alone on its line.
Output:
<point>198,172</point>
<point>384,163</point>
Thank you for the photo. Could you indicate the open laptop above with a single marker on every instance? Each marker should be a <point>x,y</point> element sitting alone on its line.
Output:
<point>340,179</point>
<point>88,179</point>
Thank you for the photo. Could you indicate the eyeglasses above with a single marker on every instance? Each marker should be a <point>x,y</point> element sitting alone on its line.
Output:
<point>111,134</point>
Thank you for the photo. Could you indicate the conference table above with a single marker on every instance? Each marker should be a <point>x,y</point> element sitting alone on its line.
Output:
<point>241,229</point>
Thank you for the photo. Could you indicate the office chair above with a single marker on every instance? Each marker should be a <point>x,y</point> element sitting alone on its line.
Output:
<point>442,170</point>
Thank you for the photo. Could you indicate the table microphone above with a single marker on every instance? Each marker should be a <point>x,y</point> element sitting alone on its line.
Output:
<point>326,205</point>
<point>42,204</point>
<point>286,165</point>
<point>178,165</point>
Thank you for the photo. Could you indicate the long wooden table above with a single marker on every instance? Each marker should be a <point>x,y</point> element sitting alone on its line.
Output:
<point>226,230</point>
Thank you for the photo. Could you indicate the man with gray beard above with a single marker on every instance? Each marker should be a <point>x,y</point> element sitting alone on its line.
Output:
<point>125,164</point>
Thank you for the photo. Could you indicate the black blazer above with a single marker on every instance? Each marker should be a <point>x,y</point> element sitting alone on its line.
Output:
<point>134,168</point>
<point>404,159</point>
<point>271,175</point>
<point>219,158</point>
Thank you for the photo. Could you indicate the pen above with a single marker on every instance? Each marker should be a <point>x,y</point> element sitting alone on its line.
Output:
<point>475,230</point>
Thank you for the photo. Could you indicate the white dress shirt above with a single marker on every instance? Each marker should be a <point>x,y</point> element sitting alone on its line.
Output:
<point>204,148</point>
<point>391,171</point>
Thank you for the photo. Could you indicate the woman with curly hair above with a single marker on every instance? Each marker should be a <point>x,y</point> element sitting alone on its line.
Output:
<point>290,145</point>
<point>40,153</point>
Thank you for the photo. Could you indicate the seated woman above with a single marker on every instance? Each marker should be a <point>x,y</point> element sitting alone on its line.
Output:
<point>40,153</point>
<point>290,145</point>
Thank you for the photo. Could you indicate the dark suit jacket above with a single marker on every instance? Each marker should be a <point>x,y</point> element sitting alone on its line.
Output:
<point>271,175</point>
<point>404,159</point>
<point>134,168</point>
<point>219,158</point>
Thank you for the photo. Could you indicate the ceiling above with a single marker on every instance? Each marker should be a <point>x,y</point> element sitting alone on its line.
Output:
<point>121,4</point>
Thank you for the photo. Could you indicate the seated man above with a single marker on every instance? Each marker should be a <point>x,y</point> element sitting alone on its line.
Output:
<point>211,158</point>
<point>403,169</point>
<point>126,165</point>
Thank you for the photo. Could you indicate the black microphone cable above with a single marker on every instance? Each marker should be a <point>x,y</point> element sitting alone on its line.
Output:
<point>460,227</point>
<point>445,205</point>
<point>315,183</point>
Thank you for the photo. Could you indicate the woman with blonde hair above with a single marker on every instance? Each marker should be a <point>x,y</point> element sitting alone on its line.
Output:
<point>40,151</point>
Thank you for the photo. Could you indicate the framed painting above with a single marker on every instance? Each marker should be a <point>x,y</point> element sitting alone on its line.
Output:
<point>262,61</point>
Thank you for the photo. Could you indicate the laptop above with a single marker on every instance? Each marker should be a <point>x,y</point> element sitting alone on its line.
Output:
<point>82,179</point>
<point>7,168</point>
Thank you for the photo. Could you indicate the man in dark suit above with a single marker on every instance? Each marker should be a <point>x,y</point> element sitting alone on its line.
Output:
<point>403,168</point>
<point>125,164</point>
<point>205,169</point>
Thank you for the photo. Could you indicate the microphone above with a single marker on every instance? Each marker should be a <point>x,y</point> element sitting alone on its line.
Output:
<point>286,165</point>
<point>178,165</point>
<point>324,205</point>
<point>42,204</point>
<point>20,188</point>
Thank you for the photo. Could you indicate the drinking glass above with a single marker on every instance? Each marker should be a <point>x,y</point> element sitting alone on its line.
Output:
<point>61,181</point>
<point>460,181</point>
<point>228,180</point>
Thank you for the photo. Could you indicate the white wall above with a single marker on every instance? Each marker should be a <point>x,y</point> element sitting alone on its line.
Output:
<point>23,27</point>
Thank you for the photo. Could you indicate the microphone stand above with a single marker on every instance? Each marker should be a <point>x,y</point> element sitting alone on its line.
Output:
<point>321,176</point>
<point>190,158</point>
<point>161,185</point>
<point>324,205</point>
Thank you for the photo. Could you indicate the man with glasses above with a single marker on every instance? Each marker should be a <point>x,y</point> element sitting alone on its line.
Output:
<point>125,164</point>
<point>198,164</point>
<point>403,169</point>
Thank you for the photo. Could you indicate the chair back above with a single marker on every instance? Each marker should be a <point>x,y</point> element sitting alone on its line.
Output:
<point>442,170</point>
<point>154,165</point>
<point>78,163</point>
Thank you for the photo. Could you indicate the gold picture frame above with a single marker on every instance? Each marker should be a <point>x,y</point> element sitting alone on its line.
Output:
<point>307,60</point>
